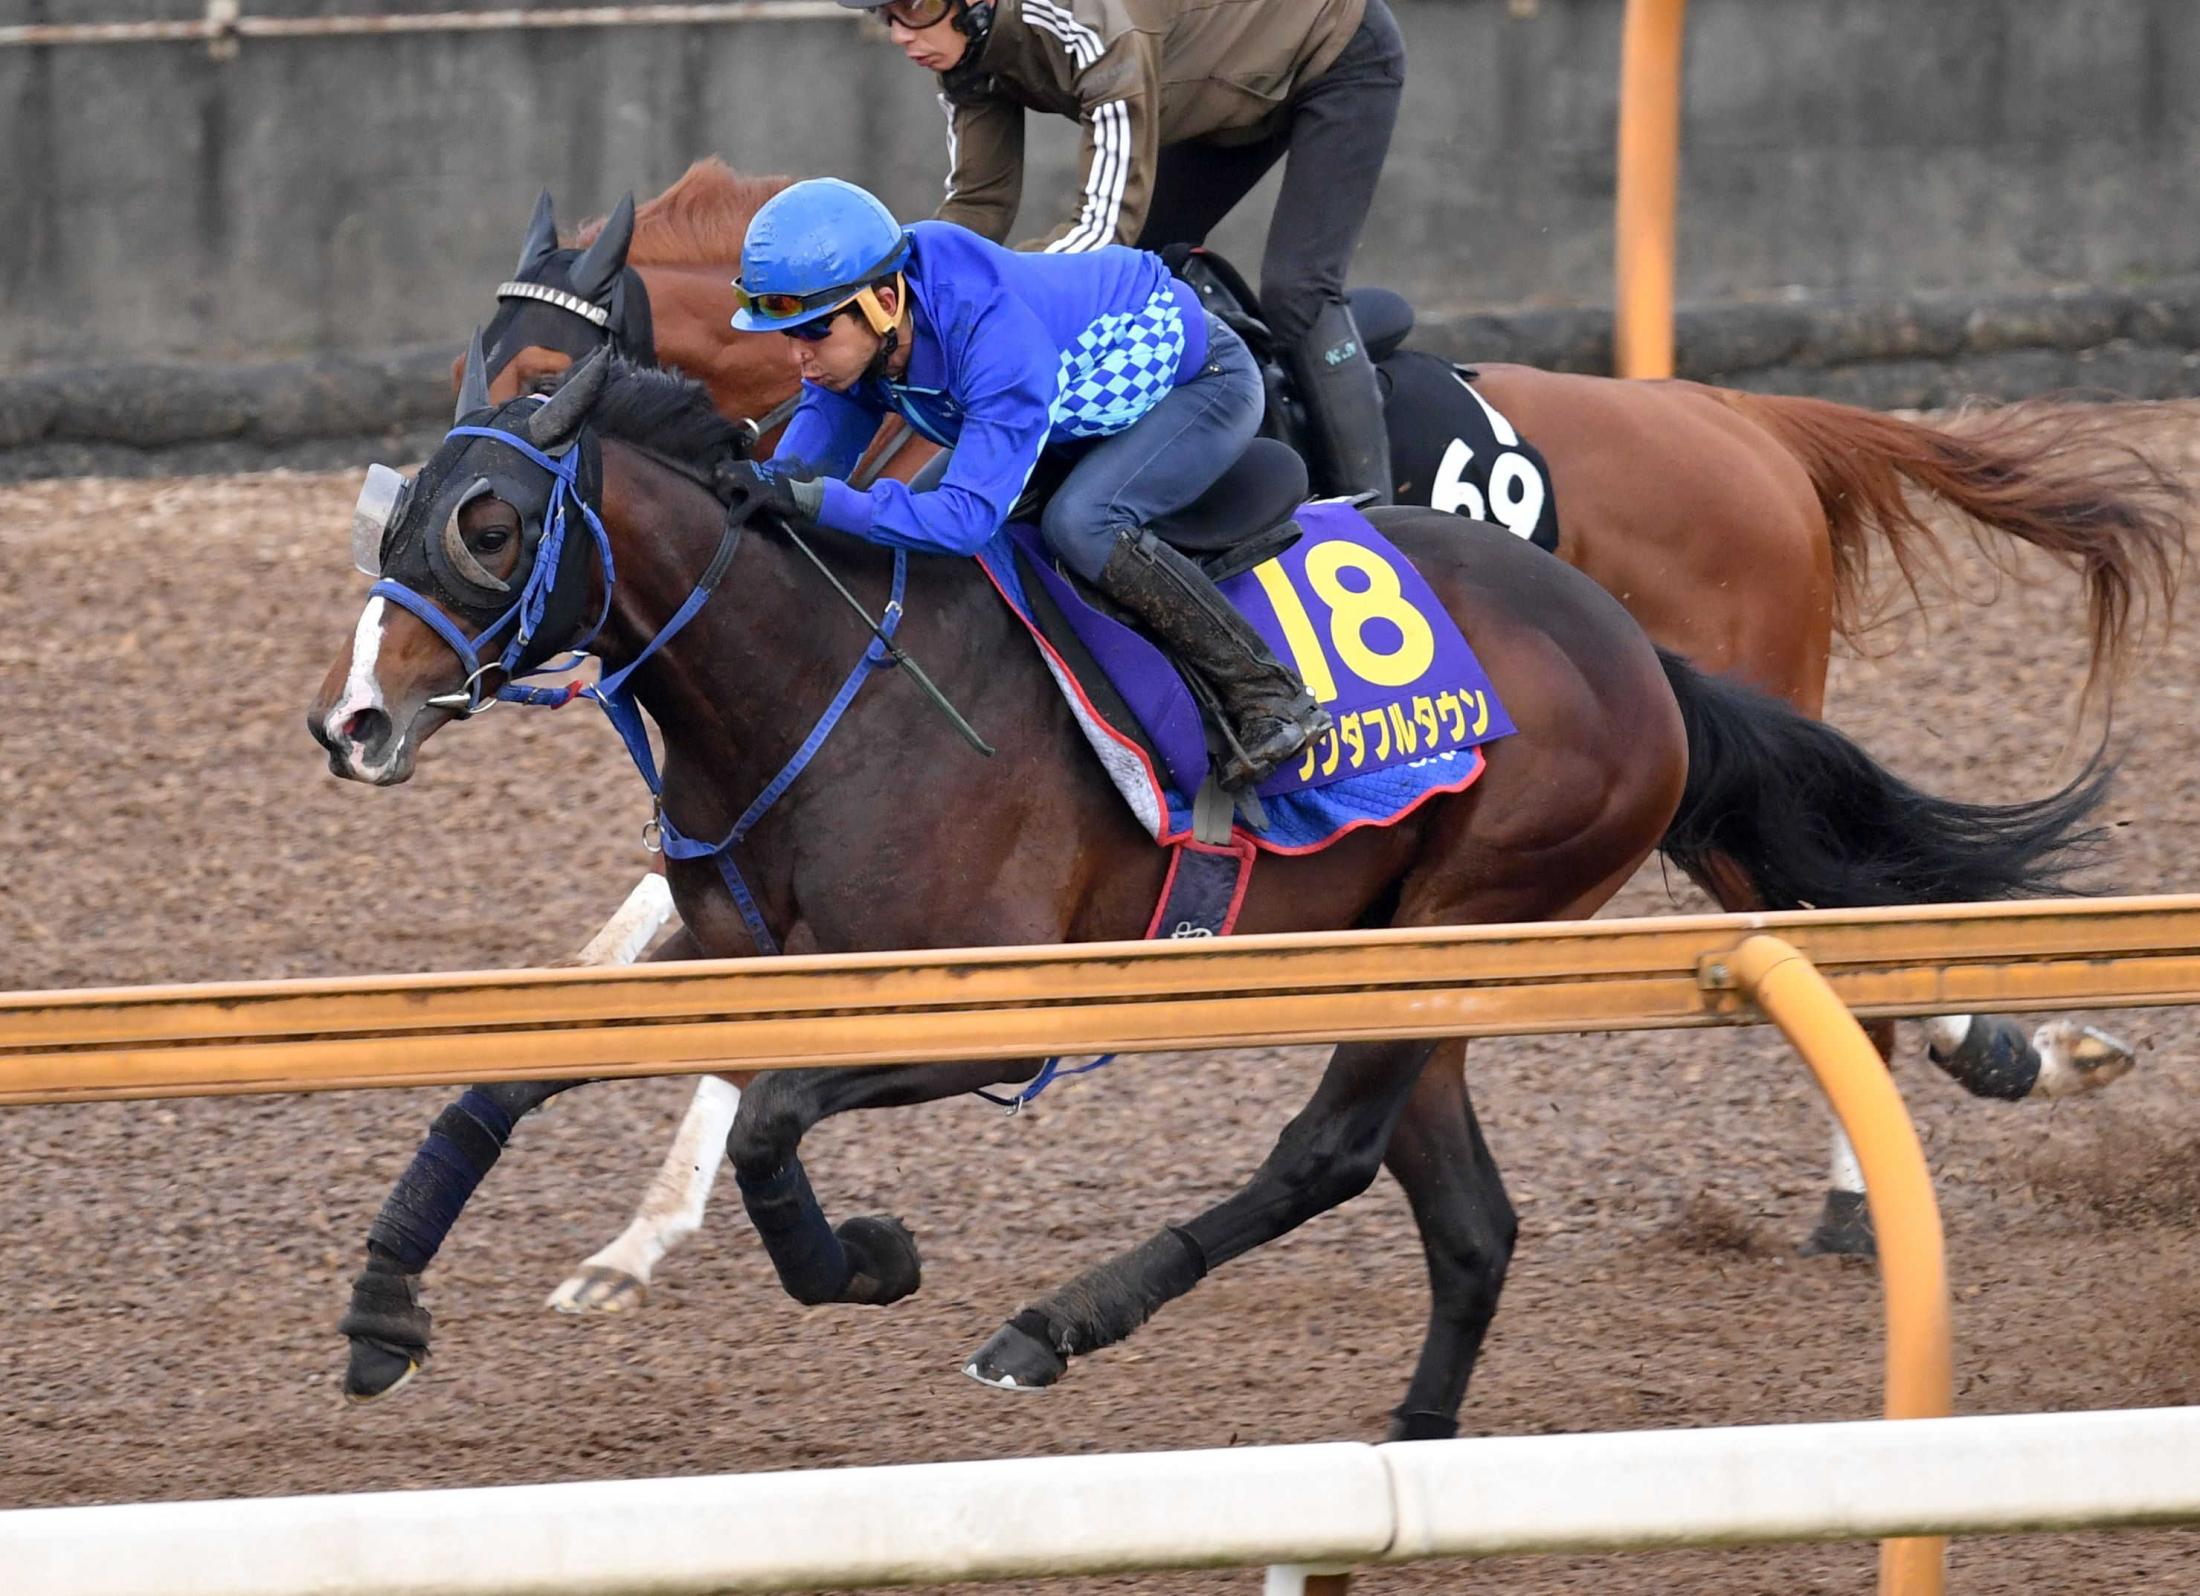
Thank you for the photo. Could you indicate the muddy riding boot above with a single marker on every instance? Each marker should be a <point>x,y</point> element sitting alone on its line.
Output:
<point>1345,429</point>
<point>1270,712</point>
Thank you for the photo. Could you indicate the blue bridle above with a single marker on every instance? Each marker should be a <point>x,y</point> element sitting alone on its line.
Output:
<point>612,693</point>
<point>534,595</point>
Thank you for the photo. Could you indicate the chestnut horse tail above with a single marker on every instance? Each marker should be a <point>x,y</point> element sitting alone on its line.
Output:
<point>2051,475</point>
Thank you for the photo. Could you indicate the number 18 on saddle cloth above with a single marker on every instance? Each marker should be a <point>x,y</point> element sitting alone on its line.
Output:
<point>1411,702</point>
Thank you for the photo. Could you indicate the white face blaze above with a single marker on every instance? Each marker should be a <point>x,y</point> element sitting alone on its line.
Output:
<point>362,691</point>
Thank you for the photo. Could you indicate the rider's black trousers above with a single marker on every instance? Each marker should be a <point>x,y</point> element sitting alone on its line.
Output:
<point>1332,139</point>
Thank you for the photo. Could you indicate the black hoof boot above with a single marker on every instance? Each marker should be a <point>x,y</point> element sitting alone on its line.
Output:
<point>1019,1357</point>
<point>1844,1229</point>
<point>882,1259</point>
<point>377,1369</point>
<point>388,1331</point>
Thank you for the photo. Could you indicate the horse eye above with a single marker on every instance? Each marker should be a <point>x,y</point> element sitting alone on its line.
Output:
<point>494,538</point>
<point>544,382</point>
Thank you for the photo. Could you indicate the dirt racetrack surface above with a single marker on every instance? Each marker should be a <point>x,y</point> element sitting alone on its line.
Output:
<point>174,1270</point>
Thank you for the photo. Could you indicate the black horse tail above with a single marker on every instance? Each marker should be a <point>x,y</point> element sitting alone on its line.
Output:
<point>1817,823</point>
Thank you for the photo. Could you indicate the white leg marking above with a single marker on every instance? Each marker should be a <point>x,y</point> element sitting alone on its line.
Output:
<point>628,932</point>
<point>1846,1174</point>
<point>671,1209</point>
<point>618,1276</point>
<point>1946,1033</point>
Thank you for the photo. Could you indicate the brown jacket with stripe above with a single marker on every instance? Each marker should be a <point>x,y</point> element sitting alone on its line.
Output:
<point>1136,74</point>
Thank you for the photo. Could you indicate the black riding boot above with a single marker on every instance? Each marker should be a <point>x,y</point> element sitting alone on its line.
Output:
<point>1346,432</point>
<point>1271,714</point>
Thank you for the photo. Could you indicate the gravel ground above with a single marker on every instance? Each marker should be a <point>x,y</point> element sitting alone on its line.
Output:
<point>176,1269</point>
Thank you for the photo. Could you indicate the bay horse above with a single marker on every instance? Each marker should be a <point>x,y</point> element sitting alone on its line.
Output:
<point>1739,529</point>
<point>897,836</point>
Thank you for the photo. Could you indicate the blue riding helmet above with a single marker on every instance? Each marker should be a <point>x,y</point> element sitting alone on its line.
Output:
<point>812,249</point>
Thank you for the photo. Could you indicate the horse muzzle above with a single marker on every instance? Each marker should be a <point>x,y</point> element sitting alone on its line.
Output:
<point>366,745</point>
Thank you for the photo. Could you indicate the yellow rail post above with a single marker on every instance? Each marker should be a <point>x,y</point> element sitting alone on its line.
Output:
<point>1898,1188</point>
<point>1649,164</point>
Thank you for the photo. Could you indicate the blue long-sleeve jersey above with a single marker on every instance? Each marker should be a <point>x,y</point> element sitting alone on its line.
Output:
<point>1008,352</point>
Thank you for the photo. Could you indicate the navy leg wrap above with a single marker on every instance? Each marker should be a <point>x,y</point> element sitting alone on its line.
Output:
<point>462,1147</point>
<point>812,1264</point>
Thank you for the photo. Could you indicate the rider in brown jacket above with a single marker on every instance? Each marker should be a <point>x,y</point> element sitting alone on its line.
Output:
<point>1184,105</point>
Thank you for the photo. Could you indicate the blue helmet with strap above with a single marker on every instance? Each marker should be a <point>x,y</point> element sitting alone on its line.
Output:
<point>813,249</point>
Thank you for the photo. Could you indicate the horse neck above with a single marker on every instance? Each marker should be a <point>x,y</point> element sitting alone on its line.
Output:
<point>691,309</point>
<point>739,688</point>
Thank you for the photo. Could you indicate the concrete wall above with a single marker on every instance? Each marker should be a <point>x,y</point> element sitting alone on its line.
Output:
<point>356,195</point>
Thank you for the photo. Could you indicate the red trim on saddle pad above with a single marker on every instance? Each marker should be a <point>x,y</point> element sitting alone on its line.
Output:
<point>1241,848</point>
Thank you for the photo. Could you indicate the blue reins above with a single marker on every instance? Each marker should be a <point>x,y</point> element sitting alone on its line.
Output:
<point>613,693</point>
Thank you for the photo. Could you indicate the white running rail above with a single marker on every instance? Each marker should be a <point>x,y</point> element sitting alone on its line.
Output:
<point>1334,1504</point>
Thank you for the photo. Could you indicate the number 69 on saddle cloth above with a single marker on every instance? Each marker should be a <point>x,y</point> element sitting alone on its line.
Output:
<point>1412,704</point>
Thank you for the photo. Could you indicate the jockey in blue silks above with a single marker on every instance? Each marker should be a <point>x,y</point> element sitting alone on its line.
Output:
<point>1000,356</point>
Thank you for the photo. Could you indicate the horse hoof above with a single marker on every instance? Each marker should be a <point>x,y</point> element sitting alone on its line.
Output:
<point>1016,1360</point>
<point>598,1288</point>
<point>376,1370</point>
<point>2078,1058</point>
<point>1844,1229</point>
<point>882,1259</point>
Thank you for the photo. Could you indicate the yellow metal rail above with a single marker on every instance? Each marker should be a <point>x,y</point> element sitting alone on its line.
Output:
<point>1649,178</point>
<point>1899,1190</point>
<point>324,1035</point>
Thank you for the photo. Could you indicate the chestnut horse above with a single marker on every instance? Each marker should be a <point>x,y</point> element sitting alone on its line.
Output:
<point>896,837</point>
<point>1738,529</point>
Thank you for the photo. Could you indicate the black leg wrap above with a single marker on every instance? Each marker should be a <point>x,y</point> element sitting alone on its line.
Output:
<point>462,1146</point>
<point>385,1306</point>
<point>812,1264</point>
<point>1413,1424</point>
<point>1105,1304</point>
<point>1994,1059</point>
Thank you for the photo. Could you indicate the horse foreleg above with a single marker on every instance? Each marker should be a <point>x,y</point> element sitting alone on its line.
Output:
<point>616,1277</point>
<point>386,1325</point>
<point>1467,1229</point>
<point>871,1258</point>
<point>1328,1154</point>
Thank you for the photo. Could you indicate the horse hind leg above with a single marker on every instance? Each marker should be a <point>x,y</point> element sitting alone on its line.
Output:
<point>1467,1229</point>
<point>1844,1227</point>
<point>1328,1154</point>
<point>1989,1056</point>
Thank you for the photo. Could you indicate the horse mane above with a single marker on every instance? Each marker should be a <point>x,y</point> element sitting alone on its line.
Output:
<point>699,221</point>
<point>666,413</point>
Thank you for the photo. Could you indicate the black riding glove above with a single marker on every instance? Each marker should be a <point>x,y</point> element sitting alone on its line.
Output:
<point>789,491</point>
